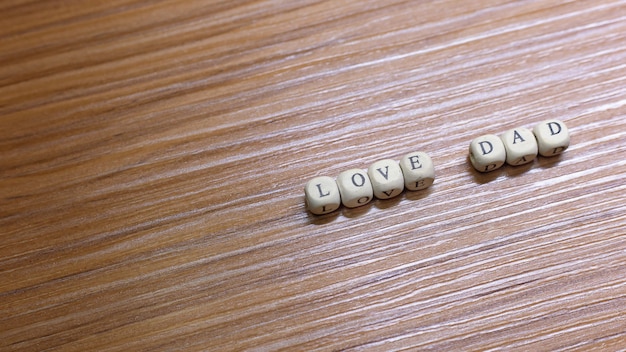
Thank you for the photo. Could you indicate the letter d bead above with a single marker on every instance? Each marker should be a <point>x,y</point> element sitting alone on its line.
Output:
<point>487,153</point>
<point>552,137</point>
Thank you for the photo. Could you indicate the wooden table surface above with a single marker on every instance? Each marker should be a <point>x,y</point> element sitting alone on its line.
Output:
<point>154,155</point>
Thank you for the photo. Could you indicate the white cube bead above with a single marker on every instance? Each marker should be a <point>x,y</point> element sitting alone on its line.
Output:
<point>355,188</point>
<point>322,195</point>
<point>552,137</point>
<point>520,145</point>
<point>487,153</point>
<point>418,171</point>
<point>386,177</point>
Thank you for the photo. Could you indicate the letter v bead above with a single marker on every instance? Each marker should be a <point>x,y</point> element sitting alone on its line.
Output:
<point>389,183</point>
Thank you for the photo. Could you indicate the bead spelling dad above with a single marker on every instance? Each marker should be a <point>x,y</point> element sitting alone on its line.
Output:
<point>518,146</point>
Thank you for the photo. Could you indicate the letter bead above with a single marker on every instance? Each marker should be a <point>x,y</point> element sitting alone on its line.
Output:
<point>552,137</point>
<point>418,171</point>
<point>386,177</point>
<point>487,153</point>
<point>520,145</point>
<point>355,188</point>
<point>322,195</point>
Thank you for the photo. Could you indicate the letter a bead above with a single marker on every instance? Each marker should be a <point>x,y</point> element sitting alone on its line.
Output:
<point>355,188</point>
<point>520,145</point>
<point>387,179</point>
<point>487,153</point>
<point>322,195</point>
<point>552,137</point>
<point>418,171</point>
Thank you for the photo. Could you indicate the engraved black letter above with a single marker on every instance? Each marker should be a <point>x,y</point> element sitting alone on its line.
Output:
<point>319,188</point>
<point>551,130</point>
<point>362,180</point>
<point>490,167</point>
<point>519,161</point>
<point>516,135</point>
<point>386,173</point>
<point>483,147</point>
<point>415,160</point>
<point>389,193</point>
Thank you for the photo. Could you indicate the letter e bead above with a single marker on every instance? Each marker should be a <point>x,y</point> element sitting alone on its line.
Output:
<point>487,153</point>
<point>322,195</point>
<point>355,188</point>
<point>418,171</point>
<point>520,145</point>
<point>552,137</point>
<point>387,179</point>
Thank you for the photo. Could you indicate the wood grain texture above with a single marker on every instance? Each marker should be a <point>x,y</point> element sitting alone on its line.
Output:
<point>154,153</point>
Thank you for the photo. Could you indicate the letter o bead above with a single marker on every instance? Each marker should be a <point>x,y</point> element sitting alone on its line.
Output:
<point>355,188</point>
<point>418,171</point>
<point>552,137</point>
<point>487,153</point>
<point>322,195</point>
<point>520,145</point>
